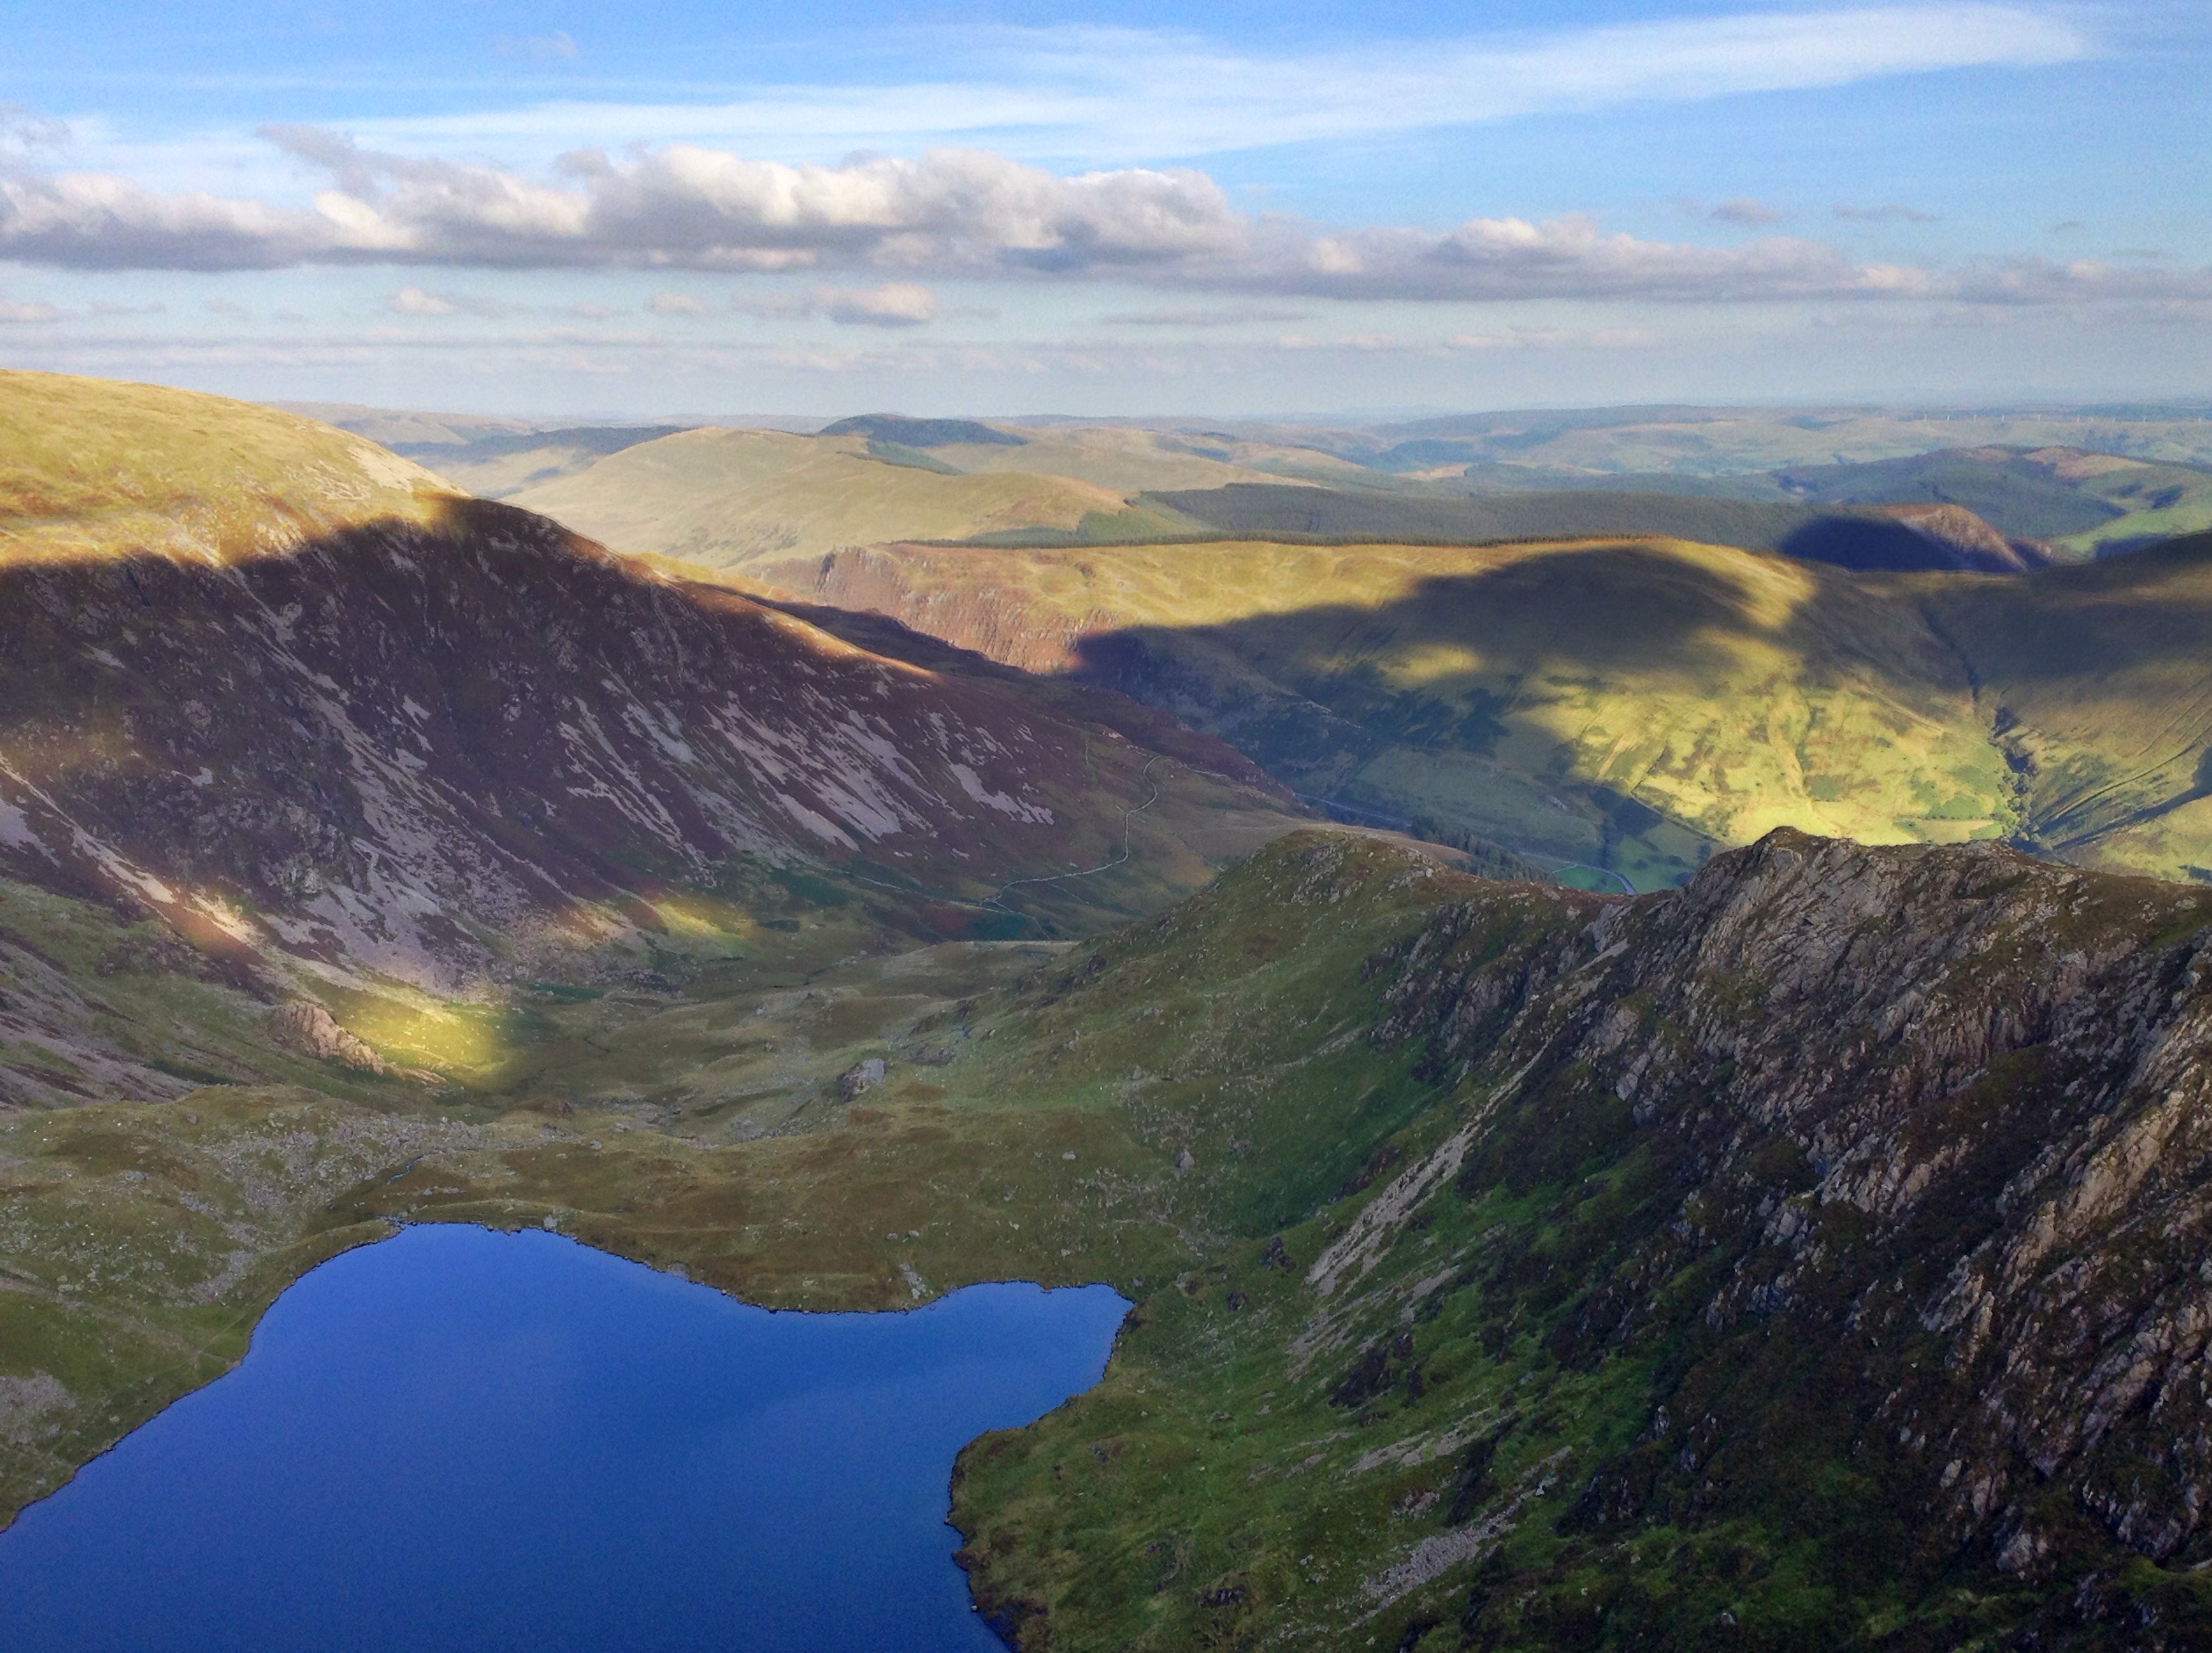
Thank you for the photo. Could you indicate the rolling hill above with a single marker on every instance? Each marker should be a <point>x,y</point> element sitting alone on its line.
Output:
<point>1855,536</point>
<point>719,498</point>
<point>2084,504</point>
<point>1628,705</point>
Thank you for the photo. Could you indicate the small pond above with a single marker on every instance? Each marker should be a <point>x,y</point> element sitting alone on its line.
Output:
<point>466,1440</point>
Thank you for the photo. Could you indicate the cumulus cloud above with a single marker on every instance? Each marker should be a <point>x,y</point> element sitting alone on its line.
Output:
<point>895,304</point>
<point>949,212</point>
<point>24,131</point>
<point>2045,281</point>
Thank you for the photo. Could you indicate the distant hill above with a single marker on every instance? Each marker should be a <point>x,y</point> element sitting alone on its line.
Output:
<point>1911,537</point>
<point>923,433</point>
<point>2085,503</point>
<point>1629,705</point>
<point>717,499</point>
<point>504,463</point>
<point>1703,441</point>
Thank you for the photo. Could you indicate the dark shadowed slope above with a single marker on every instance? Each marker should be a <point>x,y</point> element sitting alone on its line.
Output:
<point>458,741</point>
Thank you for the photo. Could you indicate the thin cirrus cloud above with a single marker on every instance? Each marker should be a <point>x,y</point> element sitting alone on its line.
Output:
<point>413,301</point>
<point>1750,213</point>
<point>895,304</point>
<point>1892,213</point>
<point>1114,95</point>
<point>946,212</point>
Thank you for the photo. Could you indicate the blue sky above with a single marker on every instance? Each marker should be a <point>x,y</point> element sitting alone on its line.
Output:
<point>1239,209</point>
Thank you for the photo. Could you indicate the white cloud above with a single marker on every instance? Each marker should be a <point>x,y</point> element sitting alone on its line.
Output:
<point>16,312</point>
<point>2044,281</point>
<point>948,212</point>
<point>676,304</point>
<point>415,301</point>
<point>894,304</point>
<point>1114,95</point>
<point>1238,315</point>
<point>24,131</point>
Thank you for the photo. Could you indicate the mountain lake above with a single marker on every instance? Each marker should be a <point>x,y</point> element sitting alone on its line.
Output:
<point>462,1439</point>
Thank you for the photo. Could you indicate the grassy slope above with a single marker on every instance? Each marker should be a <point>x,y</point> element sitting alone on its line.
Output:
<point>1409,1465</point>
<point>88,466</point>
<point>2101,680</point>
<point>1193,1109</point>
<point>1122,461</point>
<point>1523,691</point>
<point>720,499</point>
<point>700,1126</point>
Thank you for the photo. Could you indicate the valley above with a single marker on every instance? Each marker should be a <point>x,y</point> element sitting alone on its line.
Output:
<point>1806,1250</point>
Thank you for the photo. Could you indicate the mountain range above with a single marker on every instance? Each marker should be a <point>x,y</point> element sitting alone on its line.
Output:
<point>1805,1251</point>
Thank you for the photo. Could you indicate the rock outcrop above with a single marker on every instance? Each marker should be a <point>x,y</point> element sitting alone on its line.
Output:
<point>1946,1115</point>
<point>310,1030</point>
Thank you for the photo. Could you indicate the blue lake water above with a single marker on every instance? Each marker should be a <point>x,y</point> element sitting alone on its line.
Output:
<point>458,1439</point>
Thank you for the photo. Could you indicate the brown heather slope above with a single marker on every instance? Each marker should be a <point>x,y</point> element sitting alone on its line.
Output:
<point>374,728</point>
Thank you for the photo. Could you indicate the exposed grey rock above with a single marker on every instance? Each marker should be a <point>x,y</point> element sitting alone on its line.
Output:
<point>311,1031</point>
<point>860,1077</point>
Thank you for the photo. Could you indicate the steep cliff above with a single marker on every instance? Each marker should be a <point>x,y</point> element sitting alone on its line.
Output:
<point>1812,1256</point>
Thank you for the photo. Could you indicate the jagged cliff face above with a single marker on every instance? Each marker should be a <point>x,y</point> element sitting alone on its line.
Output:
<point>1948,1117</point>
<point>1821,1244</point>
<point>432,751</point>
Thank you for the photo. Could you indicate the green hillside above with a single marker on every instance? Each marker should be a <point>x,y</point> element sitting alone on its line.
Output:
<point>91,467</point>
<point>1513,1268</point>
<point>2084,504</point>
<point>1628,705</point>
<point>1849,536</point>
<point>718,498</point>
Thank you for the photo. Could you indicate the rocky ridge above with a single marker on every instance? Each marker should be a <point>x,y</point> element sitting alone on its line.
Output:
<point>439,753</point>
<point>1835,1225</point>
